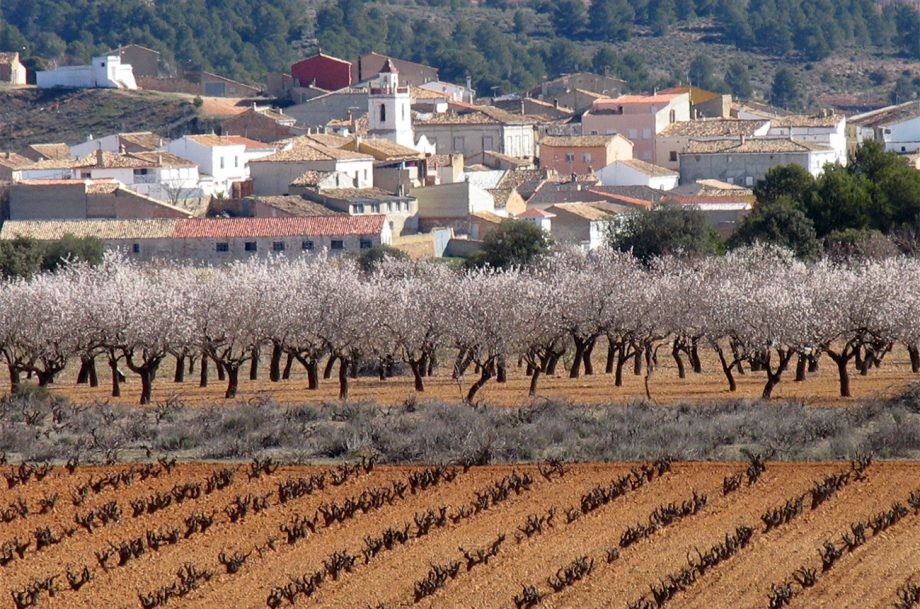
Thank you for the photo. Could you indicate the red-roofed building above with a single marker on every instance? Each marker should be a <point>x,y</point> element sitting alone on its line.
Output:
<point>323,71</point>
<point>218,240</point>
<point>637,117</point>
<point>538,217</point>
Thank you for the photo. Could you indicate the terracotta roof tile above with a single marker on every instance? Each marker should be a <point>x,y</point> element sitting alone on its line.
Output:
<point>716,127</point>
<point>753,146</point>
<point>204,228</point>
<point>101,229</point>
<point>12,160</point>
<point>228,140</point>
<point>578,141</point>
<point>51,151</point>
<point>648,168</point>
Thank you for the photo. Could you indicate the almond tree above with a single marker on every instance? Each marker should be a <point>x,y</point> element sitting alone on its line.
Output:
<point>145,312</point>
<point>415,311</point>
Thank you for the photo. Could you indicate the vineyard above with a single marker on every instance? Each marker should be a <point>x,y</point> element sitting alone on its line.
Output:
<point>644,535</point>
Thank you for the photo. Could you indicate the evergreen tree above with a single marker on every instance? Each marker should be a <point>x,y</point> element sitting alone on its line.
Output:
<point>611,20</point>
<point>785,93</point>
<point>738,81</point>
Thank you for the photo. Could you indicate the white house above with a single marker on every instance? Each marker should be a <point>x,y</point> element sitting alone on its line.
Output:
<point>898,127</point>
<point>539,218</point>
<point>274,174</point>
<point>584,224</point>
<point>105,72</point>
<point>634,172</point>
<point>825,129</point>
<point>223,157</point>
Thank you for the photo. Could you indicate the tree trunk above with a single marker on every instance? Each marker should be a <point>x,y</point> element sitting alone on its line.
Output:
<point>675,353</point>
<point>637,362</point>
<point>553,362</point>
<point>343,379</point>
<point>179,376</point>
<point>611,357</point>
<point>233,380</point>
<point>287,367</point>
<point>146,375</point>
<point>484,377</point>
<point>462,363</point>
<point>533,381</point>
<point>575,370</point>
<point>813,363</point>
<point>116,377</point>
<point>423,365</point>
<point>623,356</point>
<point>800,367</point>
<point>221,372</point>
<point>416,367</point>
<point>93,376</point>
<point>14,378</point>
<point>203,373</point>
<point>83,374</point>
<point>274,366</point>
<point>727,370</point>
<point>695,361</point>
<point>327,372</point>
<point>312,367</point>
<point>254,364</point>
<point>773,377</point>
<point>842,373</point>
<point>914,354</point>
<point>502,376</point>
<point>586,358</point>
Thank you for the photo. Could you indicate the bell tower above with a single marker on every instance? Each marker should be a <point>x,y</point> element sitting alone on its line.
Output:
<point>389,112</point>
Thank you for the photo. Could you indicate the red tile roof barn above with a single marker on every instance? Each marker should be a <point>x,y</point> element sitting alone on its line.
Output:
<point>203,228</point>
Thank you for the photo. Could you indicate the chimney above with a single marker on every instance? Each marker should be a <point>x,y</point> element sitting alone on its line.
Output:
<point>522,107</point>
<point>159,160</point>
<point>743,139</point>
<point>99,159</point>
<point>121,149</point>
<point>556,103</point>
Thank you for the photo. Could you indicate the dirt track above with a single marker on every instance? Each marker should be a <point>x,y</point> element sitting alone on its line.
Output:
<point>866,578</point>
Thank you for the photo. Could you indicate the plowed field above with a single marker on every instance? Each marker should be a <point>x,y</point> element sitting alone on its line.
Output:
<point>373,537</point>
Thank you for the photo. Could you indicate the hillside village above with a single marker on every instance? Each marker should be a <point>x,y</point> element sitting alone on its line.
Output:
<point>343,156</point>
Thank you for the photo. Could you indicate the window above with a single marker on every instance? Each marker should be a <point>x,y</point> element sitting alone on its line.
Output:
<point>586,157</point>
<point>646,134</point>
<point>278,246</point>
<point>337,244</point>
<point>236,161</point>
<point>375,208</point>
<point>458,144</point>
<point>222,246</point>
<point>86,175</point>
<point>487,142</point>
<point>251,246</point>
<point>749,181</point>
<point>672,156</point>
<point>366,244</point>
<point>633,134</point>
<point>359,208</point>
<point>594,132</point>
<point>383,113</point>
<point>570,157</point>
<point>136,248</point>
<point>730,180</point>
<point>673,116</point>
<point>365,174</point>
<point>221,162</point>
<point>307,246</point>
